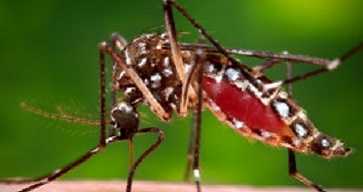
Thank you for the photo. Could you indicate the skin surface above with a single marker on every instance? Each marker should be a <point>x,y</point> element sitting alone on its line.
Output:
<point>116,186</point>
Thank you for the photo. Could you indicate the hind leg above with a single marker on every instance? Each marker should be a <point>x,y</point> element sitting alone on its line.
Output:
<point>293,172</point>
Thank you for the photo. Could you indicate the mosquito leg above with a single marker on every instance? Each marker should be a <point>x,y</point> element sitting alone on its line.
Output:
<point>195,131</point>
<point>259,69</point>
<point>288,76</point>
<point>113,90</point>
<point>198,120</point>
<point>259,54</point>
<point>328,67</point>
<point>155,105</point>
<point>202,31</point>
<point>176,53</point>
<point>111,131</point>
<point>59,172</point>
<point>208,37</point>
<point>190,155</point>
<point>293,172</point>
<point>131,150</point>
<point>147,152</point>
<point>118,43</point>
<point>194,142</point>
<point>171,31</point>
<point>195,134</point>
<point>102,138</point>
<point>102,97</point>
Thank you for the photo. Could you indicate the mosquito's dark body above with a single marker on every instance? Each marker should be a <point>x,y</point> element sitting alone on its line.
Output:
<point>172,77</point>
<point>273,118</point>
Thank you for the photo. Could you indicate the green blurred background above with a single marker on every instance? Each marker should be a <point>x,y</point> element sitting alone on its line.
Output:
<point>48,57</point>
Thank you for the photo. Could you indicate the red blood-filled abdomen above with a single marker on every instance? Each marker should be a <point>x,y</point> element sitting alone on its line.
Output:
<point>243,106</point>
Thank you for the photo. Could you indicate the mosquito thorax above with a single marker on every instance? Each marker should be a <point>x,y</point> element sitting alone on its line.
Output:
<point>154,66</point>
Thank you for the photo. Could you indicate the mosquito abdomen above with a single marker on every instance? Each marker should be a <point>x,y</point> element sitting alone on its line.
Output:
<point>266,115</point>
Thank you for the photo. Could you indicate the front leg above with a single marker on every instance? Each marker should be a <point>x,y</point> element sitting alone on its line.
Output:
<point>147,152</point>
<point>170,29</point>
<point>125,120</point>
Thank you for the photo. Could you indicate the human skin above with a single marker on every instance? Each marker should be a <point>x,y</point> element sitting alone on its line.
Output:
<point>142,186</point>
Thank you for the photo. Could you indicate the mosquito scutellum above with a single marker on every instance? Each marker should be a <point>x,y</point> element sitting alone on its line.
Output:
<point>175,77</point>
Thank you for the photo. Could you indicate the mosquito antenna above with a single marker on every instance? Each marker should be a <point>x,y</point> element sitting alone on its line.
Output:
<point>61,115</point>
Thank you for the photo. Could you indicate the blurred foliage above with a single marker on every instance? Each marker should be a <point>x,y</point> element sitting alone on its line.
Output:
<point>48,57</point>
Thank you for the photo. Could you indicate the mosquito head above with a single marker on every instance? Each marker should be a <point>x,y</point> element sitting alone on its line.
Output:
<point>125,119</point>
<point>328,147</point>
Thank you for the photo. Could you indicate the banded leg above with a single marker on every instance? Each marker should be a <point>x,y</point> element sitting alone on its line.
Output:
<point>147,152</point>
<point>59,172</point>
<point>102,97</point>
<point>200,57</point>
<point>170,27</point>
<point>196,72</point>
<point>326,65</point>
<point>293,172</point>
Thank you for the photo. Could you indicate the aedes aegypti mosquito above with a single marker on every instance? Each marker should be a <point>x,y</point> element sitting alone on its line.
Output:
<point>170,76</point>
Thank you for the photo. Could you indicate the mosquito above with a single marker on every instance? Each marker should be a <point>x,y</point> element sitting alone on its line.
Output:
<point>175,77</point>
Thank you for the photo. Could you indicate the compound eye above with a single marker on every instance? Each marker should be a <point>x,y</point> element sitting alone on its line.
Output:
<point>124,107</point>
